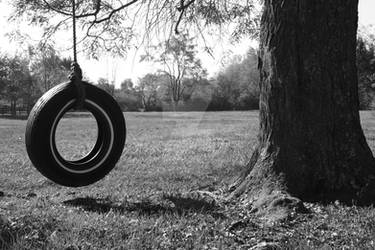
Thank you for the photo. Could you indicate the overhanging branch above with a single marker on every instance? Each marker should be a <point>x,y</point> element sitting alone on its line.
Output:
<point>95,13</point>
<point>182,9</point>
<point>115,11</point>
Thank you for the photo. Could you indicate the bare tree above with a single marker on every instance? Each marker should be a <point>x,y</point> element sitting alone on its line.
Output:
<point>178,58</point>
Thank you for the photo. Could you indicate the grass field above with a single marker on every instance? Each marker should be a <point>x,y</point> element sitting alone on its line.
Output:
<point>141,203</point>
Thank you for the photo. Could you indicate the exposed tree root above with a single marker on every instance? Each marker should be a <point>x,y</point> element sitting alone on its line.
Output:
<point>275,192</point>
<point>264,191</point>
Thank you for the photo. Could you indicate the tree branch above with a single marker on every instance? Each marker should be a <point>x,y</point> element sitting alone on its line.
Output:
<point>95,13</point>
<point>49,6</point>
<point>182,9</point>
<point>114,11</point>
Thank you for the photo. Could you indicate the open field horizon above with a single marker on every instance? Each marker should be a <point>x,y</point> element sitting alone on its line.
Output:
<point>140,204</point>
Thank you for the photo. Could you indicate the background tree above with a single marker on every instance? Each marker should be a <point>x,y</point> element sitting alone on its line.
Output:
<point>236,87</point>
<point>48,67</point>
<point>104,84</point>
<point>3,74</point>
<point>249,82</point>
<point>199,96</point>
<point>30,93</point>
<point>366,72</point>
<point>128,97</point>
<point>178,57</point>
<point>148,89</point>
<point>16,81</point>
<point>127,85</point>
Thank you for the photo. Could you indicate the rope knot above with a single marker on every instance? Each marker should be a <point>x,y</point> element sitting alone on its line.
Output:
<point>76,72</point>
<point>76,78</point>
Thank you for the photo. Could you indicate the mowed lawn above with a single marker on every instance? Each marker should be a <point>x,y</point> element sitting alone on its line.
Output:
<point>166,155</point>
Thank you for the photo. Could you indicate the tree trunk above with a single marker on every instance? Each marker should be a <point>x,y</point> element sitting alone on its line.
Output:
<point>311,144</point>
<point>174,105</point>
<point>13,108</point>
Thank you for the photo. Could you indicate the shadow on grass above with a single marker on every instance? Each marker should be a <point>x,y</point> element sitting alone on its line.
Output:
<point>142,207</point>
<point>104,206</point>
<point>7,236</point>
<point>12,117</point>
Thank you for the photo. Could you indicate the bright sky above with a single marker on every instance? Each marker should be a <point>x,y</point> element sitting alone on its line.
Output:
<point>119,69</point>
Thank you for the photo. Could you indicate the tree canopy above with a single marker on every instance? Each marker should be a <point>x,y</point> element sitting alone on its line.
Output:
<point>116,26</point>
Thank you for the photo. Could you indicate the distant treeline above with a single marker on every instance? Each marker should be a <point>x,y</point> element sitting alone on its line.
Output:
<point>24,78</point>
<point>233,88</point>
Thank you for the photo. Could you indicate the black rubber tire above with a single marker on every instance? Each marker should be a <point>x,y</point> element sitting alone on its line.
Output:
<point>41,128</point>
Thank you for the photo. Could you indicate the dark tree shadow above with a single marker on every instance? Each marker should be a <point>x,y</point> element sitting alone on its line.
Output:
<point>8,236</point>
<point>146,207</point>
<point>12,117</point>
<point>101,206</point>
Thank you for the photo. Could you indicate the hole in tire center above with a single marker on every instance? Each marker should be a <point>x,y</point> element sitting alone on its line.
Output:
<point>76,134</point>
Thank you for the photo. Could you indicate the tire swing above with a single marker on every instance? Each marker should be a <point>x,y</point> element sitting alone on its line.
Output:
<point>48,111</point>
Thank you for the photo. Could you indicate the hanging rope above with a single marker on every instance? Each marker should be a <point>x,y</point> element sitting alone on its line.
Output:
<point>74,32</point>
<point>76,72</point>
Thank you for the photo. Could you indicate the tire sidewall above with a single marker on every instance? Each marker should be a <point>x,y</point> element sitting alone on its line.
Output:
<point>40,129</point>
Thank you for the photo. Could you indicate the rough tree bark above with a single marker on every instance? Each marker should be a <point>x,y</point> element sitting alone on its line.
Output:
<point>311,144</point>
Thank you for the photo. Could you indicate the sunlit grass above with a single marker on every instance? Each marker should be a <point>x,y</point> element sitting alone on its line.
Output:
<point>166,153</point>
<point>75,137</point>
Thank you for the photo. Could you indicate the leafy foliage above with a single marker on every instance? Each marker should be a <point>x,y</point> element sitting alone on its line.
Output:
<point>244,16</point>
<point>237,86</point>
<point>366,72</point>
<point>104,84</point>
<point>23,79</point>
<point>48,68</point>
<point>16,81</point>
<point>115,26</point>
<point>148,90</point>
